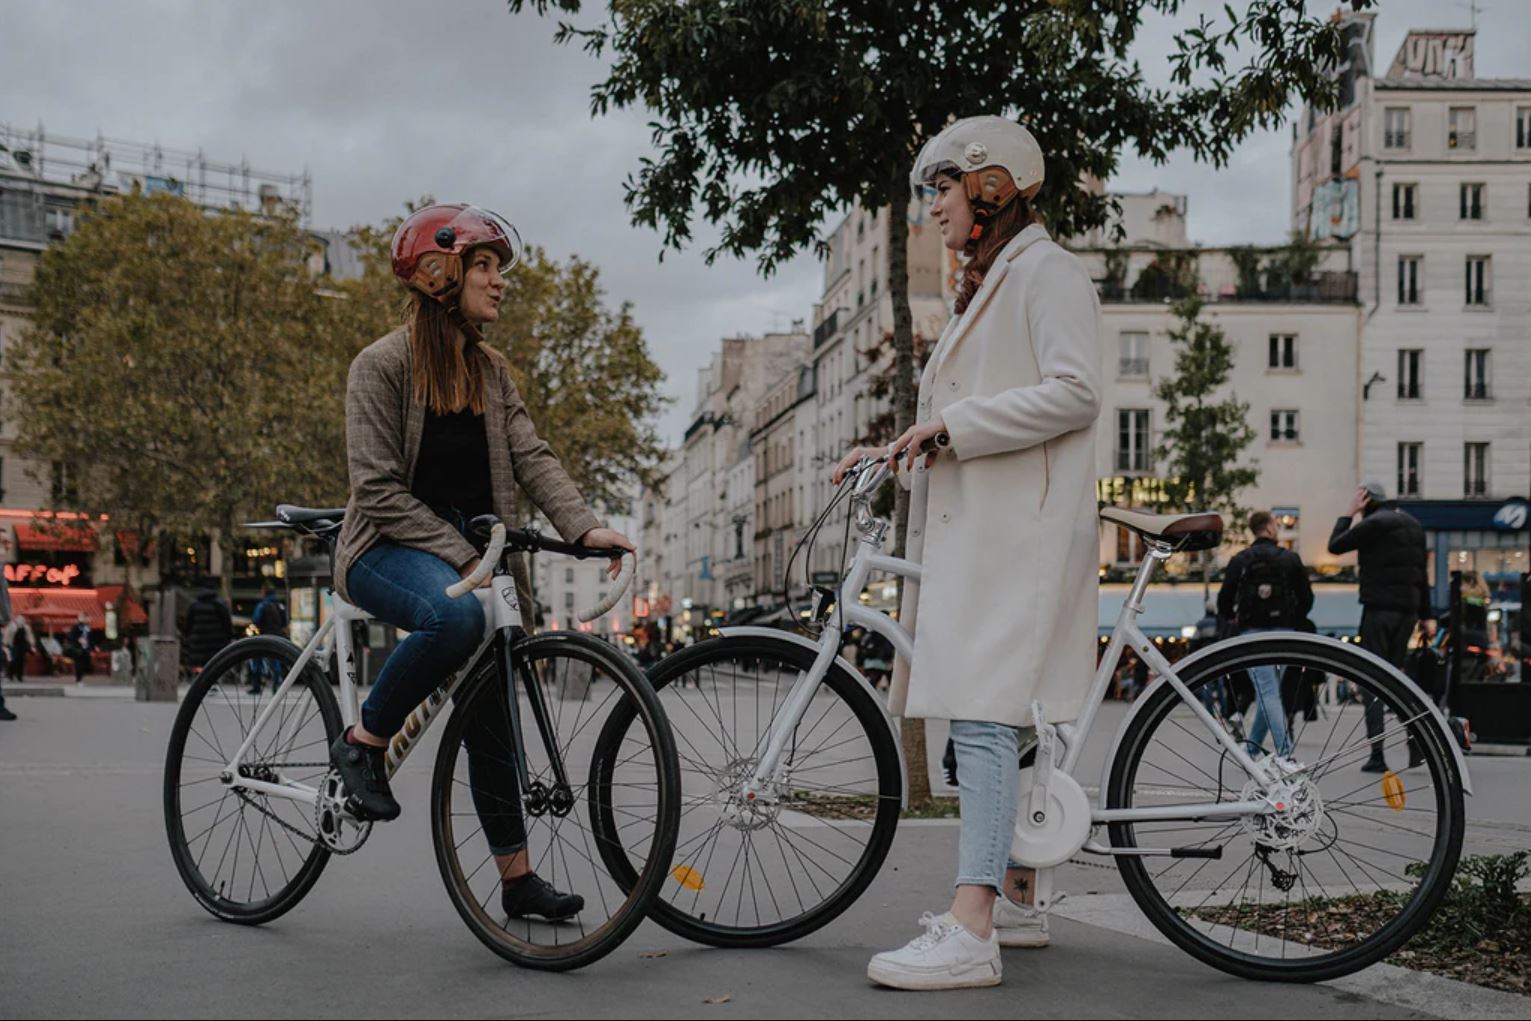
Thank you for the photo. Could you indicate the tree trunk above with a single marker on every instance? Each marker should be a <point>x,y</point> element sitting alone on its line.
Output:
<point>913,731</point>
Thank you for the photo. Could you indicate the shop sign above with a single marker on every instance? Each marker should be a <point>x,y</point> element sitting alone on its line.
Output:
<point>33,574</point>
<point>1512,515</point>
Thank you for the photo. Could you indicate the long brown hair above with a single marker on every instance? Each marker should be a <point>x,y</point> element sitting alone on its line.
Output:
<point>1006,224</point>
<point>445,377</point>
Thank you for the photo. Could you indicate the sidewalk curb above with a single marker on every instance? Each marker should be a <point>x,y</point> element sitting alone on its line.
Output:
<point>1503,751</point>
<point>1384,983</point>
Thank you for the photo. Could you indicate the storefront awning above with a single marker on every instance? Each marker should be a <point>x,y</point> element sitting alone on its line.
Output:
<point>68,538</point>
<point>1168,609</point>
<point>57,609</point>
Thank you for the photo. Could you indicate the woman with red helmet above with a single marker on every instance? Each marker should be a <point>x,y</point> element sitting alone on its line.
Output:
<point>436,434</point>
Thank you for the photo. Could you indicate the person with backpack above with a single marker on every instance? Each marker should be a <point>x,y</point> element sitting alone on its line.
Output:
<point>1265,588</point>
<point>269,618</point>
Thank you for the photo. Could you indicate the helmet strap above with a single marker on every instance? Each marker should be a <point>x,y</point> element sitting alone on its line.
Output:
<point>459,320</point>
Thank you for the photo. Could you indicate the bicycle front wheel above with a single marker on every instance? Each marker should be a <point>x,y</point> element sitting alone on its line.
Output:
<point>481,817</point>
<point>246,856</point>
<point>1348,866</point>
<point>773,870</point>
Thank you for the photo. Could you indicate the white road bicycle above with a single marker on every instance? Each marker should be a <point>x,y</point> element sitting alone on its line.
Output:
<point>254,811</point>
<point>1296,869</point>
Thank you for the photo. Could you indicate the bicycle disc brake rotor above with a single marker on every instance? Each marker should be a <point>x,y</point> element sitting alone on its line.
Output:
<point>732,806</point>
<point>338,830</point>
<point>1297,812</point>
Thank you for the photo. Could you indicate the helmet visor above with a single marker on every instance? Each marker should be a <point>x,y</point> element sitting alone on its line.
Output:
<point>475,226</point>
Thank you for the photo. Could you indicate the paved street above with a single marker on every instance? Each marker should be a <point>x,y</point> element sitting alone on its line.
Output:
<point>98,921</point>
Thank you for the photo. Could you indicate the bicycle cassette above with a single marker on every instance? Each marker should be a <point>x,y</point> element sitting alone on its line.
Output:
<point>1061,830</point>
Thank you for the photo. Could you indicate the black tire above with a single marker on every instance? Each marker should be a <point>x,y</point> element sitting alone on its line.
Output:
<point>583,679</point>
<point>212,722</point>
<point>1400,889</point>
<point>707,754</point>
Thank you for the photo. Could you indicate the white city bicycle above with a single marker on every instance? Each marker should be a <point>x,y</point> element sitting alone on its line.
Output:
<point>1268,867</point>
<point>254,811</point>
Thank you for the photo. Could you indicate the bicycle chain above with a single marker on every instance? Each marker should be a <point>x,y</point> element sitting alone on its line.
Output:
<point>289,827</point>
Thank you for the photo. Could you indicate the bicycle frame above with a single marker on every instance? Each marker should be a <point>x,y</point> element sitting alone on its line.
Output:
<point>848,612</point>
<point>502,613</point>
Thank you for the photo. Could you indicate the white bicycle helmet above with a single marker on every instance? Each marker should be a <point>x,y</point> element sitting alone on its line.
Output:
<point>995,158</point>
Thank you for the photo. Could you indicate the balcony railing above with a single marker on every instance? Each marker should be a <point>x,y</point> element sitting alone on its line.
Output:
<point>1328,287</point>
<point>826,329</point>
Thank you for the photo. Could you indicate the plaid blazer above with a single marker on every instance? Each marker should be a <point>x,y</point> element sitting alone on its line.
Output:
<point>383,430</point>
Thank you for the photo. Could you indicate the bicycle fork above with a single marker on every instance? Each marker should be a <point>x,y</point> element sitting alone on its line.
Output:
<point>759,787</point>
<point>538,798</point>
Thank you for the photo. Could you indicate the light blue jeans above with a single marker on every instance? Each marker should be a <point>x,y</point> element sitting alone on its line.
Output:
<point>988,790</point>
<point>1269,714</point>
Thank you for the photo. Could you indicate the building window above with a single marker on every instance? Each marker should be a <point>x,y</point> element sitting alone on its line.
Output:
<point>1134,360</point>
<point>1395,121</point>
<point>1523,127</point>
<point>568,601</point>
<point>1475,469</point>
<point>1479,280</point>
<point>1409,363</point>
<point>568,576</point>
<point>1409,457</point>
<point>1408,279</point>
<point>1283,351</point>
<point>1476,376</point>
<point>1472,202</point>
<point>1403,201</point>
<point>1283,427</point>
<point>1132,442</point>
<point>1462,128</point>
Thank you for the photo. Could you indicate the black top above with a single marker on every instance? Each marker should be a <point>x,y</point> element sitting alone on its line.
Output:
<point>1391,551</point>
<point>452,470</point>
<point>1292,573</point>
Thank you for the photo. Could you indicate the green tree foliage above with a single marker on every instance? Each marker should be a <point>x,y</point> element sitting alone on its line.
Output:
<point>187,370</point>
<point>1207,432</point>
<point>179,367</point>
<point>769,115</point>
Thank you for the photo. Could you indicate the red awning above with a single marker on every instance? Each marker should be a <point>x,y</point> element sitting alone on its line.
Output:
<point>68,538</point>
<point>57,609</point>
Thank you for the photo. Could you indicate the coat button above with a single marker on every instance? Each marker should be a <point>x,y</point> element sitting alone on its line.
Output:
<point>946,517</point>
<point>914,531</point>
<point>954,384</point>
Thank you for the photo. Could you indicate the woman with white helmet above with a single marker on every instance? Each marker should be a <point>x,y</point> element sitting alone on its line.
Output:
<point>1004,522</point>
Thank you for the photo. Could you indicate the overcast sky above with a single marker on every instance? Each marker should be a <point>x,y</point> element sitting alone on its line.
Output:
<point>385,101</point>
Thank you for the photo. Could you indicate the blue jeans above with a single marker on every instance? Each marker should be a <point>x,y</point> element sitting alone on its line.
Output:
<point>406,587</point>
<point>988,791</point>
<point>1269,714</point>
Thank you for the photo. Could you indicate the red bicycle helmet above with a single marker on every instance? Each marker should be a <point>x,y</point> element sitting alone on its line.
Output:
<point>428,246</point>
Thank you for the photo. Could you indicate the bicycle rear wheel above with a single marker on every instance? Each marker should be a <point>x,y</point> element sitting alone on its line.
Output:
<point>764,873</point>
<point>479,812</point>
<point>248,857</point>
<point>1349,866</point>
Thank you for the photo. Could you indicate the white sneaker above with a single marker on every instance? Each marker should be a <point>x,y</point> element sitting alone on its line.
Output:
<point>1019,925</point>
<point>947,956</point>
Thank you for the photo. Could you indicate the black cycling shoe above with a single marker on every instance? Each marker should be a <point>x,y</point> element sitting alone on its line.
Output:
<point>365,774</point>
<point>1375,764</point>
<point>532,895</point>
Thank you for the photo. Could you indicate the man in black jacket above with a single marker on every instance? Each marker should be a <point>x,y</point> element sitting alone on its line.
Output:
<point>1265,588</point>
<point>1395,588</point>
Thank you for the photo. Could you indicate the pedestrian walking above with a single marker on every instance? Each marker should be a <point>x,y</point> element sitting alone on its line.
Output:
<point>1395,590</point>
<point>1265,588</point>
